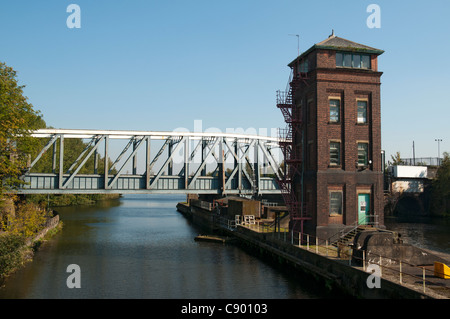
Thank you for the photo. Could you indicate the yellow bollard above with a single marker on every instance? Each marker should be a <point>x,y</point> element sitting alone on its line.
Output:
<point>441,270</point>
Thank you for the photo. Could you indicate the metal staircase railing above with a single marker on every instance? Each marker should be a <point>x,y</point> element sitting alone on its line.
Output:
<point>292,155</point>
<point>353,230</point>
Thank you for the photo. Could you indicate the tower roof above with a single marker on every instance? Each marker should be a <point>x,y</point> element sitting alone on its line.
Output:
<point>336,43</point>
<point>340,44</point>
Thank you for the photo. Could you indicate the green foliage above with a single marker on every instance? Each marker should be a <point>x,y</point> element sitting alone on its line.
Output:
<point>441,189</point>
<point>29,219</point>
<point>11,254</point>
<point>72,149</point>
<point>10,243</point>
<point>17,119</point>
<point>66,199</point>
<point>396,159</point>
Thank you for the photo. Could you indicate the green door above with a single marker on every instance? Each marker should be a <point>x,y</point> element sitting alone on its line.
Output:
<point>363,208</point>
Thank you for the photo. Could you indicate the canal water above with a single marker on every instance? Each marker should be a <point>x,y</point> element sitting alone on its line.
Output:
<point>141,247</point>
<point>428,233</point>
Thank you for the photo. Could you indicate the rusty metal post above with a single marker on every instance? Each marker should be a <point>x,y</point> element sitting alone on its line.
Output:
<point>423,275</point>
<point>364,260</point>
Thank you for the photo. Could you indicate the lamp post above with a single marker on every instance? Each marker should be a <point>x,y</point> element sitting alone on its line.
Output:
<point>439,150</point>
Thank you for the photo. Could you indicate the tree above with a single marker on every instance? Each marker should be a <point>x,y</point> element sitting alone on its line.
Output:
<point>73,147</point>
<point>29,219</point>
<point>396,159</point>
<point>17,120</point>
<point>441,188</point>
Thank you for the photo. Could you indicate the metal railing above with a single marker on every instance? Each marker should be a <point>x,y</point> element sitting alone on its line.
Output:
<point>270,204</point>
<point>421,161</point>
<point>369,220</point>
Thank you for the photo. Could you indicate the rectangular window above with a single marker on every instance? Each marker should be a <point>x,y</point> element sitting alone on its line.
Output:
<point>335,106</point>
<point>347,60</point>
<point>339,59</point>
<point>353,60</point>
<point>304,67</point>
<point>363,154</point>
<point>365,62</point>
<point>335,156</point>
<point>362,112</point>
<point>356,61</point>
<point>335,203</point>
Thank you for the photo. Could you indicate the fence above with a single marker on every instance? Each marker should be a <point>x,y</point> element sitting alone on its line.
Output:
<point>422,161</point>
<point>395,270</point>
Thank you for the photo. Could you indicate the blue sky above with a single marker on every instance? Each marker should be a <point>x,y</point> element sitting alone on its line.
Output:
<point>161,65</point>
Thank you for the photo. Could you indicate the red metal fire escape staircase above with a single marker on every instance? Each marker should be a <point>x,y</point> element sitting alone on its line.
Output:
<point>292,153</point>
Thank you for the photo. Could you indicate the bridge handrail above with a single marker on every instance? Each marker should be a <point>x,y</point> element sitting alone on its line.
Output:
<point>422,161</point>
<point>157,135</point>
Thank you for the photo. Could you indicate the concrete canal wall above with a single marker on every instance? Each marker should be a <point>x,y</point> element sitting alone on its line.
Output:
<point>335,276</point>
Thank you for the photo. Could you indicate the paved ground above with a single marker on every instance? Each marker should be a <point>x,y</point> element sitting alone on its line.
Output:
<point>413,277</point>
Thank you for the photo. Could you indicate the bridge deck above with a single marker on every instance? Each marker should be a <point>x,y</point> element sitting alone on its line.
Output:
<point>136,184</point>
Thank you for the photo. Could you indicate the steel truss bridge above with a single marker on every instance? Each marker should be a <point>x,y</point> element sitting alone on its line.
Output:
<point>169,162</point>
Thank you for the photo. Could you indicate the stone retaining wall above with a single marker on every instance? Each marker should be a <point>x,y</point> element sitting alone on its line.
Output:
<point>50,224</point>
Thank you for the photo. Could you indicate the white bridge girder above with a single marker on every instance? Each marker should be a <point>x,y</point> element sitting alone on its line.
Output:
<point>238,161</point>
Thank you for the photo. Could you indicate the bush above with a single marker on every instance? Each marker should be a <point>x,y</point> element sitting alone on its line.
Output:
<point>68,199</point>
<point>11,253</point>
<point>28,220</point>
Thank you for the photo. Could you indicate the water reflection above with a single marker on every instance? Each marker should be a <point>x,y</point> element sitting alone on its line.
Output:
<point>136,249</point>
<point>433,233</point>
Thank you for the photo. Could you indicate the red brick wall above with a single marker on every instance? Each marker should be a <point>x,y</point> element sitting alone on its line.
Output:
<point>349,85</point>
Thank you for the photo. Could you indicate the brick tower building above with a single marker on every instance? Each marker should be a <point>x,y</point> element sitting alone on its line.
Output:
<point>334,174</point>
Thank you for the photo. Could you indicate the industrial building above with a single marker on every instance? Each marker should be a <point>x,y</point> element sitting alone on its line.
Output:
<point>332,139</point>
